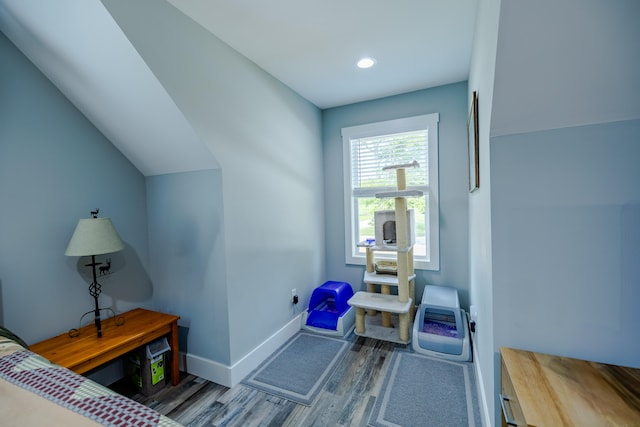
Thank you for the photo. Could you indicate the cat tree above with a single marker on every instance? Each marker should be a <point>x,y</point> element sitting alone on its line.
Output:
<point>377,310</point>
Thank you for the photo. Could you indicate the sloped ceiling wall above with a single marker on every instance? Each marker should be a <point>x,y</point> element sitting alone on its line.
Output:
<point>559,64</point>
<point>81,49</point>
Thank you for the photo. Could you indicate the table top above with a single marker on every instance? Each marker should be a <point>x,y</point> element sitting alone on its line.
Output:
<point>555,390</point>
<point>86,351</point>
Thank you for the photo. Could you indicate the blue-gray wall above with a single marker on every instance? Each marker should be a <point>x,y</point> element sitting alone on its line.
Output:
<point>267,140</point>
<point>566,239</point>
<point>55,167</point>
<point>187,258</point>
<point>450,102</point>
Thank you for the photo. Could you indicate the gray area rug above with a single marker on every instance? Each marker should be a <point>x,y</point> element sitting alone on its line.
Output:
<point>300,368</point>
<point>425,391</point>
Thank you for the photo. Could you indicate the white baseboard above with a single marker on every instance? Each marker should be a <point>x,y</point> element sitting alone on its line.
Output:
<point>484,408</point>
<point>229,376</point>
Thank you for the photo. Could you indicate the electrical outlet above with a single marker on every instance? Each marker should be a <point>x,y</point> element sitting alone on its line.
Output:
<point>294,294</point>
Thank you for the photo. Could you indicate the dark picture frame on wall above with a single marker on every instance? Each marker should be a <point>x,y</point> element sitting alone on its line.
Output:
<point>473,141</point>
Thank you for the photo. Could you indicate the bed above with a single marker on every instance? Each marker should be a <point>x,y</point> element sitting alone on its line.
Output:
<point>35,392</point>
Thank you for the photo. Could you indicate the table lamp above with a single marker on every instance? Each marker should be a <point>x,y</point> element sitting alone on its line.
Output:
<point>94,236</point>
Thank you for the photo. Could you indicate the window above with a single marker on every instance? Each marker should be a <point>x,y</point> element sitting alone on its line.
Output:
<point>367,149</point>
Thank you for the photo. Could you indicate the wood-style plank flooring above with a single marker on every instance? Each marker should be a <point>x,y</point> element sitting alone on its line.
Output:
<point>347,399</point>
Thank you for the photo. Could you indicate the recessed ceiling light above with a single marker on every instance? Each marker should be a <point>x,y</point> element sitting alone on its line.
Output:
<point>366,63</point>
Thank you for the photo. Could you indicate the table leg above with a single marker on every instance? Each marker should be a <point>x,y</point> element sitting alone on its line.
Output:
<point>175,354</point>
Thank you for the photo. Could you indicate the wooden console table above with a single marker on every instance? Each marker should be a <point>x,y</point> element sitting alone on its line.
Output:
<point>86,351</point>
<point>543,390</point>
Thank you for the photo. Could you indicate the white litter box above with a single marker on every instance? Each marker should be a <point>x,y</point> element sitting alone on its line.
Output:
<point>441,328</point>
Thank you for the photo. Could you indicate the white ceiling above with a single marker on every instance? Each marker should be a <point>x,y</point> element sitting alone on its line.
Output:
<point>313,46</point>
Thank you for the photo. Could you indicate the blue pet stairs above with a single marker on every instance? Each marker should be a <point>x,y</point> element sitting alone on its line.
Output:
<point>328,311</point>
<point>440,328</point>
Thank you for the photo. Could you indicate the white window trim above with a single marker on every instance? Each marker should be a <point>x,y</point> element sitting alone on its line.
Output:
<point>427,121</point>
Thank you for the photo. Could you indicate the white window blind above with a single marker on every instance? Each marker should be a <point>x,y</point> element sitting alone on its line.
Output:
<point>370,155</point>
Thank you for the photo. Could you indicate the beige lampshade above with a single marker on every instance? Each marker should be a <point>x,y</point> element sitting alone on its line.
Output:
<point>94,236</point>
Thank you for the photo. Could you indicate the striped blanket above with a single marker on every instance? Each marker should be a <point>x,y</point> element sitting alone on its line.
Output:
<point>55,394</point>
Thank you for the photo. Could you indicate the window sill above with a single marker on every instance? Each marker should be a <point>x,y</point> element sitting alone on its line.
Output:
<point>417,264</point>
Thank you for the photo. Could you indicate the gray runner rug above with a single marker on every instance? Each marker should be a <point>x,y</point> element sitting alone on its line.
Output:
<point>300,368</point>
<point>425,391</point>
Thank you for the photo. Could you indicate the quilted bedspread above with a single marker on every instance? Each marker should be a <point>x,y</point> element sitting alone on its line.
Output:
<point>36,392</point>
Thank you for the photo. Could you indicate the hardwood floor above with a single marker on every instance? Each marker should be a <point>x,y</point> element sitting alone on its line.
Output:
<point>347,399</point>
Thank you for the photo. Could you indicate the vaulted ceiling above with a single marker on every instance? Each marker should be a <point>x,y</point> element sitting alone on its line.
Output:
<point>312,47</point>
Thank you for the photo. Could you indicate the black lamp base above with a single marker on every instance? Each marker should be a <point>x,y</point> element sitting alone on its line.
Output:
<point>119,321</point>
<point>94,290</point>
